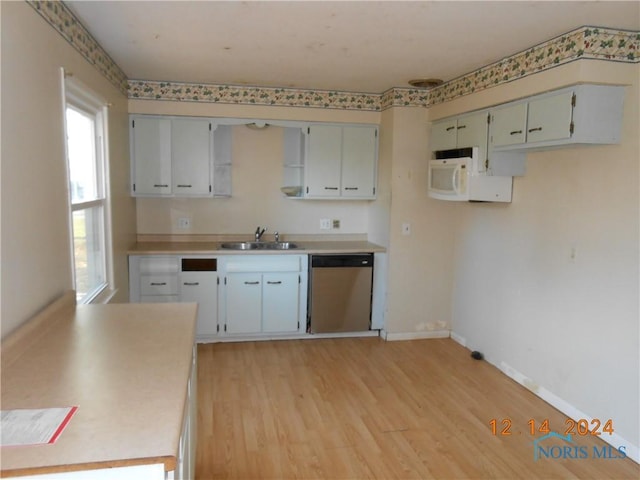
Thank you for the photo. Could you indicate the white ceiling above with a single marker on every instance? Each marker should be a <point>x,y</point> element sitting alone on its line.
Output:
<point>360,46</point>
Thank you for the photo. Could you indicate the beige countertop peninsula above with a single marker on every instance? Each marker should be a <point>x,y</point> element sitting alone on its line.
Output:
<point>126,367</point>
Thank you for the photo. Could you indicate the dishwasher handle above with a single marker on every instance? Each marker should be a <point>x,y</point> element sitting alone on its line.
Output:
<point>362,260</point>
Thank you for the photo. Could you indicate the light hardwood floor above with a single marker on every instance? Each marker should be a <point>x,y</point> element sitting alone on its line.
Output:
<point>356,408</point>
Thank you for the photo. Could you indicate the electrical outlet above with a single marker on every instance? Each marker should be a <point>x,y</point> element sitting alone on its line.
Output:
<point>325,224</point>
<point>406,229</point>
<point>335,224</point>
<point>184,223</point>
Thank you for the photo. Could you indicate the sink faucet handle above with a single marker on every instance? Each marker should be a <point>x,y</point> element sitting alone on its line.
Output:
<point>277,235</point>
<point>259,232</point>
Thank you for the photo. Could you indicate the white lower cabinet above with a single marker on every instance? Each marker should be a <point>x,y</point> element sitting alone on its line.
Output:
<point>280,300</point>
<point>265,294</point>
<point>244,303</point>
<point>173,278</point>
<point>202,288</point>
<point>237,295</point>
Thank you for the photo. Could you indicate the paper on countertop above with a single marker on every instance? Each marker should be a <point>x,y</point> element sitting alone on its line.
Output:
<point>33,426</point>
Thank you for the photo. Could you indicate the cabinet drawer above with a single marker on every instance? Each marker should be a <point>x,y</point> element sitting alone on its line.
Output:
<point>263,263</point>
<point>159,285</point>
<point>154,265</point>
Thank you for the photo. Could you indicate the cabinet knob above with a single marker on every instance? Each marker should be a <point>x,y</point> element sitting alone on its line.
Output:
<point>158,284</point>
<point>184,186</point>
<point>351,188</point>
<point>537,129</point>
<point>461,127</point>
<point>331,188</point>
<point>515,132</point>
<point>274,283</point>
<point>157,185</point>
<point>252,283</point>
<point>191,284</point>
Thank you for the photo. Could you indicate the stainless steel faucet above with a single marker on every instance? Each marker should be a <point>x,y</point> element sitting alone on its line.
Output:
<point>259,233</point>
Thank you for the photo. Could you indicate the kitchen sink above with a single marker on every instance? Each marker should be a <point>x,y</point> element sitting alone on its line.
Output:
<point>259,245</point>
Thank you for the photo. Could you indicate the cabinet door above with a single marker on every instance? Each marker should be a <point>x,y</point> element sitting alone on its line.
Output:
<point>359,161</point>
<point>191,153</point>
<point>280,302</point>
<point>549,118</point>
<point>508,125</point>
<point>202,288</point>
<point>443,135</point>
<point>472,132</point>
<point>151,155</point>
<point>244,303</point>
<point>324,156</point>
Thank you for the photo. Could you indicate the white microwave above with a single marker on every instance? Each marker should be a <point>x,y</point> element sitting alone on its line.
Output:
<point>454,175</point>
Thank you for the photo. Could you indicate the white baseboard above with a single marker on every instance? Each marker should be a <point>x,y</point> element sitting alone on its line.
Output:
<point>632,451</point>
<point>292,336</point>
<point>458,339</point>
<point>415,335</point>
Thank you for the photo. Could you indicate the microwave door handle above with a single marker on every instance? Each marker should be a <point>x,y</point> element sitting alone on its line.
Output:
<point>455,180</point>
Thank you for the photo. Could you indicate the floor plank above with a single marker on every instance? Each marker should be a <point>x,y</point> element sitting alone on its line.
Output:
<point>355,408</point>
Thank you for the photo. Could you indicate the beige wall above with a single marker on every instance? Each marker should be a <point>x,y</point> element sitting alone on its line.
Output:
<point>420,275</point>
<point>568,325</point>
<point>257,178</point>
<point>35,235</point>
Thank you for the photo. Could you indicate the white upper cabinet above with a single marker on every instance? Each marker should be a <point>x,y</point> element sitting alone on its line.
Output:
<point>341,162</point>
<point>444,135</point>
<point>191,154</point>
<point>509,125</point>
<point>359,153</point>
<point>151,155</point>
<point>549,118</point>
<point>469,130</point>
<point>581,114</point>
<point>324,160</point>
<point>176,156</point>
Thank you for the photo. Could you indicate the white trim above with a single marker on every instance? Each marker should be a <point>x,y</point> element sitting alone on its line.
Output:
<point>293,336</point>
<point>417,335</point>
<point>63,112</point>
<point>458,339</point>
<point>77,96</point>
<point>632,451</point>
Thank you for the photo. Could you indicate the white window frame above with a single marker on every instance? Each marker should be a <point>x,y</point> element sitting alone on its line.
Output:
<point>79,97</point>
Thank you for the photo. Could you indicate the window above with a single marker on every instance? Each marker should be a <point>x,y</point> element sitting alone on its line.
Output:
<point>85,120</point>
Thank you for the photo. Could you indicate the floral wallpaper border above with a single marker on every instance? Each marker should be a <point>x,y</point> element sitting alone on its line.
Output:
<point>58,15</point>
<point>583,43</point>
<point>597,43</point>
<point>249,95</point>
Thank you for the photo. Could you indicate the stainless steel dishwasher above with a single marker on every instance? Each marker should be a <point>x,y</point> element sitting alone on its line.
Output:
<point>340,293</point>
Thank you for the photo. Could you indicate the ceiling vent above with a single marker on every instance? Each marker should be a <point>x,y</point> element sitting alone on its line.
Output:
<point>425,83</point>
